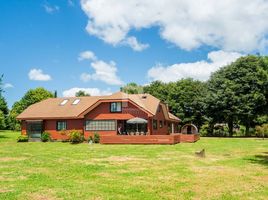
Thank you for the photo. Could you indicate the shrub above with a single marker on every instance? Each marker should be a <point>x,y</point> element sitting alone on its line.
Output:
<point>17,127</point>
<point>204,130</point>
<point>96,138</point>
<point>262,131</point>
<point>241,132</point>
<point>23,138</point>
<point>90,138</point>
<point>45,137</point>
<point>76,136</point>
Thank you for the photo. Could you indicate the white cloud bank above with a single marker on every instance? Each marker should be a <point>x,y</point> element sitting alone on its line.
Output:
<point>104,71</point>
<point>200,70</point>
<point>92,91</point>
<point>38,75</point>
<point>231,25</point>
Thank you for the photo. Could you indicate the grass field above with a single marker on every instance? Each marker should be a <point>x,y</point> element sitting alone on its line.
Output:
<point>232,169</point>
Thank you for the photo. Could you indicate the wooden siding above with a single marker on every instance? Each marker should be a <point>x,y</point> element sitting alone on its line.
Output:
<point>148,139</point>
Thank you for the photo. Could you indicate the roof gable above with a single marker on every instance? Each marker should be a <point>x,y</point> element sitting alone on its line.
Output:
<point>52,108</point>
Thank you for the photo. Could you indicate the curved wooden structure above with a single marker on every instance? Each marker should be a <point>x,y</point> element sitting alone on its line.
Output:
<point>189,129</point>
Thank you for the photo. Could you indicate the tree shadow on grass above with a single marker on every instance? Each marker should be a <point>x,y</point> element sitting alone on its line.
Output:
<point>3,136</point>
<point>260,159</point>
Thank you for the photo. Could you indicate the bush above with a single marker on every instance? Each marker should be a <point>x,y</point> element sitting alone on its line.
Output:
<point>262,131</point>
<point>218,130</point>
<point>17,127</point>
<point>45,137</point>
<point>96,138</point>
<point>23,138</point>
<point>76,136</point>
<point>204,130</point>
<point>90,138</point>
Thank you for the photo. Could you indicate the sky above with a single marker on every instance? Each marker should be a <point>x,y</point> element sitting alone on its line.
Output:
<point>100,45</point>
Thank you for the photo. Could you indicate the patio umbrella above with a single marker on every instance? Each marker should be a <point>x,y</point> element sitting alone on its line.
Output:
<point>137,121</point>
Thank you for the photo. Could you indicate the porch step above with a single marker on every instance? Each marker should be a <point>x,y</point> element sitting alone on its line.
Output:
<point>34,140</point>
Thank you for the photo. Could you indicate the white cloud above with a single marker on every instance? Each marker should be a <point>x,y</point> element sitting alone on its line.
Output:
<point>8,85</point>
<point>50,8</point>
<point>200,70</point>
<point>134,44</point>
<point>92,91</point>
<point>87,55</point>
<point>85,77</point>
<point>103,71</point>
<point>231,25</point>
<point>38,75</point>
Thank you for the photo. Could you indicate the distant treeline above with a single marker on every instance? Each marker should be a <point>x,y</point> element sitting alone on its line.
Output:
<point>235,98</point>
<point>234,101</point>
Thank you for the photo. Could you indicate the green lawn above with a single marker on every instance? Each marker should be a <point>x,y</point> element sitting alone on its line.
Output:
<point>232,169</point>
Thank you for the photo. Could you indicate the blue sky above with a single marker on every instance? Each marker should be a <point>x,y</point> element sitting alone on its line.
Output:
<point>40,44</point>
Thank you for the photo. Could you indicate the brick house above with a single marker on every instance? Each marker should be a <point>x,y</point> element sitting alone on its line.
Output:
<point>106,115</point>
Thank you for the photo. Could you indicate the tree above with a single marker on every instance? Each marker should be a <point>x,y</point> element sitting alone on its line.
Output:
<point>238,92</point>
<point>2,121</point>
<point>157,89</point>
<point>81,93</point>
<point>3,106</point>
<point>132,88</point>
<point>1,85</point>
<point>185,98</point>
<point>31,96</point>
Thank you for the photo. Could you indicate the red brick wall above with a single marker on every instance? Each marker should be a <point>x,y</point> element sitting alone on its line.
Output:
<point>23,127</point>
<point>50,126</point>
<point>102,112</point>
<point>160,117</point>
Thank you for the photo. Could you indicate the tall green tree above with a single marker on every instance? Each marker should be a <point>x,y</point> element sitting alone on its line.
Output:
<point>157,89</point>
<point>185,98</point>
<point>238,92</point>
<point>31,96</point>
<point>132,88</point>
<point>3,106</point>
<point>1,85</point>
<point>81,93</point>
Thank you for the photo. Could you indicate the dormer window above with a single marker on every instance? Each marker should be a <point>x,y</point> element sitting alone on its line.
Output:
<point>76,102</point>
<point>64,102</point>
<point>116,107</point>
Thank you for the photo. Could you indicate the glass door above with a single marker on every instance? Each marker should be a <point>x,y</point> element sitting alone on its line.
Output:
<point>34,129</point>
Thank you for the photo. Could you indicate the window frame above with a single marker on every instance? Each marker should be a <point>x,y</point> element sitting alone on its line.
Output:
<point>100,129</point>
<point>116,107</point>
<point>155,124</point>
<point>160,124</point>
<point>57,127</point>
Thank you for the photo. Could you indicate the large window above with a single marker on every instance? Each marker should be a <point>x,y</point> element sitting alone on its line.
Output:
<point>100,125</point>
<point>155,124</point>
<point>61,125</point>
<point>116,107</point>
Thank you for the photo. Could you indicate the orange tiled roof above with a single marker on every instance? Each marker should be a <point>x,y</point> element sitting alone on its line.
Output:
<point>51,108</point>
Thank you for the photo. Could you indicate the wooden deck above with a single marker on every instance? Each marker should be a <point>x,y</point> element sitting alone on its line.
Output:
<point>149,139</point>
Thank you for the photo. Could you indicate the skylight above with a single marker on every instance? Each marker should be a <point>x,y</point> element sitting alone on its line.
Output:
<point>76,101</point>
<point>64,102</point>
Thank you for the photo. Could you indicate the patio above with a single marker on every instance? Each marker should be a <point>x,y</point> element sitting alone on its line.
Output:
<point>149,139</point>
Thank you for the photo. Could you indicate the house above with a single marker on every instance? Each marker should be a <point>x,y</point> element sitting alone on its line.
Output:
<point>117,118</point>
